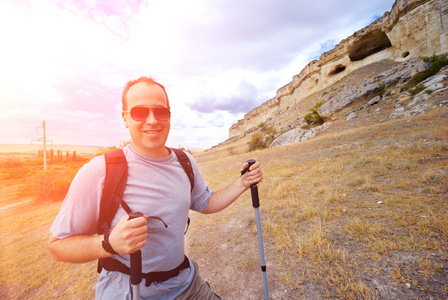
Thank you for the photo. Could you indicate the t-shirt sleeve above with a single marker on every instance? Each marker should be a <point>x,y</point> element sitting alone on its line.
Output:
<point>80,209</point>
<point>201,193</point>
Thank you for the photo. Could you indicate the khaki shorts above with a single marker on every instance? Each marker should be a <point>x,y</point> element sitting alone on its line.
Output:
<point>198,289</point>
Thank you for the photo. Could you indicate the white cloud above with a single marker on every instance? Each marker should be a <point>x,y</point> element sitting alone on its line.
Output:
<point>67,61</point>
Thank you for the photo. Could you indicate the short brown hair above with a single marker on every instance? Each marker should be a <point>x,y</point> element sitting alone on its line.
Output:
<point>148,80</point>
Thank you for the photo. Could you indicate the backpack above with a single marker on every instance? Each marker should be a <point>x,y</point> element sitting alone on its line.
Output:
<point>115,182</point>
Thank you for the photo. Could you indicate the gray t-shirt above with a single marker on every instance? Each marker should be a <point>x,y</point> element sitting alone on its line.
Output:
<point>156,187</point>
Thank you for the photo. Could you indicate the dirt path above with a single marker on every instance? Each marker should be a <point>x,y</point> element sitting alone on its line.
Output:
<point>10,198</point>
<point>6,207</point>
<point>228,254</point>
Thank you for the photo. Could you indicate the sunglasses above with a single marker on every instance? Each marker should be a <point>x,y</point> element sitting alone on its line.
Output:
<point>141,113</point>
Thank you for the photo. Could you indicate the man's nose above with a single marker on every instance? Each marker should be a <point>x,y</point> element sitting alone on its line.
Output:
<point>151,119</point>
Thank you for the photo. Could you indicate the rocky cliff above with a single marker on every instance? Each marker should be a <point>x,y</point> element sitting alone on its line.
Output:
<point>412,28</point>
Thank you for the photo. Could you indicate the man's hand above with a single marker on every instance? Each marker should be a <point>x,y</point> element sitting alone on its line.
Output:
<point>126,238</point>
<point>129,235</point>
<point>227,195</point>
<point>254,175</point>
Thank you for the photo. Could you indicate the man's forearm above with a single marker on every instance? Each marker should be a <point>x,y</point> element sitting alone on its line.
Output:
<point>77,249</point>
<point>224,197</point>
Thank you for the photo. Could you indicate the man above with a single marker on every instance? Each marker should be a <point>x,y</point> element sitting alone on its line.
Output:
<point>156,186</point>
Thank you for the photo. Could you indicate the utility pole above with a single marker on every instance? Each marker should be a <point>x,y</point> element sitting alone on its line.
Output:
<point>44,139</point>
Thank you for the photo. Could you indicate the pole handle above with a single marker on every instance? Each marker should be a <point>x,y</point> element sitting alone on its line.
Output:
<point>133,215</point>
<point>136,257</point>
<point>254,193</point>
<point>251,162</point>
<point>253,187</point>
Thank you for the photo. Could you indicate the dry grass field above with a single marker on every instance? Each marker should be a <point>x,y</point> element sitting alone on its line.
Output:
<point>29,200</point>
<point>358,212</point>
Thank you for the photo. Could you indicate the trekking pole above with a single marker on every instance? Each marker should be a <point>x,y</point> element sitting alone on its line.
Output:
<point>256,204</point>
<point>136,265</point>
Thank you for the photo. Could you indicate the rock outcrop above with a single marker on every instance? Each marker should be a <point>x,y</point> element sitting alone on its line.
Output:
<point>393,105</point>
<point>412,28</point>
<point>350,93</point>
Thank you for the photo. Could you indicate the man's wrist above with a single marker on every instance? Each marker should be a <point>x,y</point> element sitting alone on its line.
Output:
<point>106,244</point>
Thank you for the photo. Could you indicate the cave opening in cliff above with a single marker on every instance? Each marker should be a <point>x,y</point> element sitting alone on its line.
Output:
<point>373,42</point>
<point>337,70</point>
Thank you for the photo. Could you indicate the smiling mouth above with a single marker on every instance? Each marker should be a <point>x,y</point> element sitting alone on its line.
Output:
<point>151,131</point>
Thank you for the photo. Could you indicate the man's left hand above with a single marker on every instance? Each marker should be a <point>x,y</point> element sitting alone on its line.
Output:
<point>253,176</point>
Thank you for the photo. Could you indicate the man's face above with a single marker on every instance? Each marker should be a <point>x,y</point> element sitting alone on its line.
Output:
<point>148,136</point>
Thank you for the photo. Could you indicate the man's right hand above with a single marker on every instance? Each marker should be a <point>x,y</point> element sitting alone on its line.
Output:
<point>129,235</point>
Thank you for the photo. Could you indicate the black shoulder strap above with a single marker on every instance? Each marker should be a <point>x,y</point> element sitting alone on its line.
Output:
<point>114,184</point>
<point>186,164</point>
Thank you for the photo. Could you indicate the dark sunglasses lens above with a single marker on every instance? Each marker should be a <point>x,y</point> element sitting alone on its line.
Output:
<point>163,114</point>
<point>139,113</point>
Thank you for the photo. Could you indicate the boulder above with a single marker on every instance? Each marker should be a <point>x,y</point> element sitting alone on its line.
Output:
<point>433,80</point>
<point>417,110</point>
<point>397,112</point>
<point>418,98</point>
<point>294,136</point>
<point>351,116</point>
<point>374,100</point>
<point>404,96</point>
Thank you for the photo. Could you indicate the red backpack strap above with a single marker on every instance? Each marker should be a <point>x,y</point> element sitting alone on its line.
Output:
<point>114,184</point>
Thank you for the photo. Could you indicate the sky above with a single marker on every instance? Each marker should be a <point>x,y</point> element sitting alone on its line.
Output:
<point>66,61</point>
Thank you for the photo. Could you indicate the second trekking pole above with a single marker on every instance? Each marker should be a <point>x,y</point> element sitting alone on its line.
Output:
<point>256,205</point>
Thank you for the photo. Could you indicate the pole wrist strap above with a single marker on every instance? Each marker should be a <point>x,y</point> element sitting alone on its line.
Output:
<point>106,244</point>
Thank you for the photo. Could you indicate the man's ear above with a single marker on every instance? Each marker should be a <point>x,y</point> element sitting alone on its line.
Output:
<point>125,119</point>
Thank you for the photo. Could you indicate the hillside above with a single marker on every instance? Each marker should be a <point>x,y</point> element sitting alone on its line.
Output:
<point>393,90</point>
<point>357,212</point>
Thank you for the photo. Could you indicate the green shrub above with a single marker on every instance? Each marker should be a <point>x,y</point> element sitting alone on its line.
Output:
<point>262,139</point>
<point>436,63</point>
<point>15,168</point>
<point>313,117</point>
<point>50,186</point>
<point>381,89</point>
<point>417,89</point>
<point>257,142</point>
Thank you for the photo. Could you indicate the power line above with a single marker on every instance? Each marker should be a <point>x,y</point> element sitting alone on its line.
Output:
<point>44,140</point>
